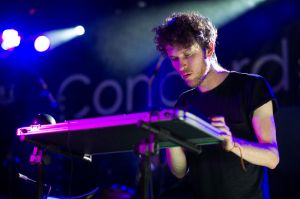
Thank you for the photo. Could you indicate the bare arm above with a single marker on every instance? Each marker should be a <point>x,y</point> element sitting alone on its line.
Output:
<point>263,153</point>
<point>176,160</point>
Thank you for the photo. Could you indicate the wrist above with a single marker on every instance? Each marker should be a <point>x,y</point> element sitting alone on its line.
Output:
<point>232,147</point>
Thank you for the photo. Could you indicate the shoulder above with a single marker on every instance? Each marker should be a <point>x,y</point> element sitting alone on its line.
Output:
<point>249,80</point>
<point>245,76</point>
<point>256,89</point>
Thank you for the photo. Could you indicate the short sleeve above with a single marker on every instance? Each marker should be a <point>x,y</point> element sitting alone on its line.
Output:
<point>261,93</point>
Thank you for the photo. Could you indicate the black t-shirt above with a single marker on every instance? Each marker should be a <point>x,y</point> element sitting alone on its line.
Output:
<point>216,173</point>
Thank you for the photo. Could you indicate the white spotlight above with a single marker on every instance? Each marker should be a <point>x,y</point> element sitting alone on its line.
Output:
<point>42,43</point>
<point>79,30</point>
<point>58,37</point>
<point>10,39</point>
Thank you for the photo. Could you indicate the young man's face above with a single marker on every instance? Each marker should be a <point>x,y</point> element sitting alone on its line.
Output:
<point>189,63</point>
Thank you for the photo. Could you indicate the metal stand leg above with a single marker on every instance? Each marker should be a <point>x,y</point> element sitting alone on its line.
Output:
<point>146,149</point>
<point>36,158</point>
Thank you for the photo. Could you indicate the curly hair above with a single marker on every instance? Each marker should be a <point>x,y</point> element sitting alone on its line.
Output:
<point>184,29</point>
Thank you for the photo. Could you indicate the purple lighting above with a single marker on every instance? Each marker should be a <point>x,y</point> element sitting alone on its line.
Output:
<point>41,44</point>
<point>10,39</point>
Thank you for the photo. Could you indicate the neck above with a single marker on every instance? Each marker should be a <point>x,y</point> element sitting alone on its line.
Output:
<point>216,75</point>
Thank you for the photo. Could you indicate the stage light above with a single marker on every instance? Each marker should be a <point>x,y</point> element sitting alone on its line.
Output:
<point>58,37</point>
<point>79,30</point>
<point>10,39</point>
<point>42,43</point>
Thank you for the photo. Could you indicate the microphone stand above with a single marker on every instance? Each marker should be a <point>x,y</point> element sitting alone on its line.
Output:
<point>153,76</point>
<point>148,147</point>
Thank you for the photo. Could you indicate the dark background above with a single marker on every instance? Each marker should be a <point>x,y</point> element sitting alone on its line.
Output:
<point>107,70</point>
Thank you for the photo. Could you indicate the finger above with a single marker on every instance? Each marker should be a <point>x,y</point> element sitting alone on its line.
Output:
<point>217,119</point>
<point>224,130</point>
<point>223,133</point>
<point>220,125</point>
<point>227,139</point>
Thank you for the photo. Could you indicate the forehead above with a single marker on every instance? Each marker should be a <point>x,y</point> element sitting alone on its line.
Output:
<point>177,49</point>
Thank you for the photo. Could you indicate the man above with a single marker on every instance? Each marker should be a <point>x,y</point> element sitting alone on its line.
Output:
<point>240,105</point>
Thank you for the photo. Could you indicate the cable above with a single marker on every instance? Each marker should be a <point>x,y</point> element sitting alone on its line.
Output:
<point>26,178</point>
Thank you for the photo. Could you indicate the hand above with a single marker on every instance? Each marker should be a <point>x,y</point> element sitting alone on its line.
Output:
<point>219,122</point>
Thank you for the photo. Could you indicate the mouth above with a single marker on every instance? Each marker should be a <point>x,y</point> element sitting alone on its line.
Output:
<point>186,75</point>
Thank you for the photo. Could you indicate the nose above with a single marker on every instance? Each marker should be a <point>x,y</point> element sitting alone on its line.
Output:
<point>182,64</point>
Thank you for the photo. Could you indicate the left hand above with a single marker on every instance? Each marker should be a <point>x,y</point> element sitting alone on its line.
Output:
<point>219,122</point>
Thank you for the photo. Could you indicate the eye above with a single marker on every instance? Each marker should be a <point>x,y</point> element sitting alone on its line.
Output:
<point>173,58</point>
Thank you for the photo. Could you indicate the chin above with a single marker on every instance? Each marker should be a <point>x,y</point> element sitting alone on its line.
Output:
<point>191,84</point>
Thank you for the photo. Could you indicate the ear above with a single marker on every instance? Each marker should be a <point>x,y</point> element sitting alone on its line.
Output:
<point>210,50</point>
